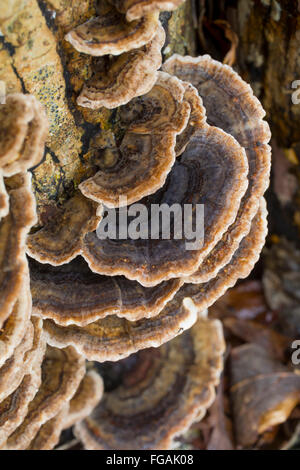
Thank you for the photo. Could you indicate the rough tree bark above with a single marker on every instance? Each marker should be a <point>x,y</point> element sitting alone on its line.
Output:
<point>268,57</point>
<point>34,58</point>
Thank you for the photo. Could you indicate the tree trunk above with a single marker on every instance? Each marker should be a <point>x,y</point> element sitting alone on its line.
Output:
<point>268,57</point>
<point>34,58</point>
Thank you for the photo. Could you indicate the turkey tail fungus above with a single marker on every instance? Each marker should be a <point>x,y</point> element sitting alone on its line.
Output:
<point>101,129</point>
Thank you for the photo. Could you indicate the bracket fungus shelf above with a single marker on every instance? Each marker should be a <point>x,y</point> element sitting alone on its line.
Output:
<point>119,79</point>
<point>230,105</point>
<point>110,33</point>
<point>73,294</point>
<point>161,392</point>
<point>121,132</point>
<point>23,131</point>
<point>13,231</point>
<point>59,240</point>
<point>137,9</point>
<point>58,377</point>
<point>212,171</point>
<point>139,165</point>
<point>114,338</point>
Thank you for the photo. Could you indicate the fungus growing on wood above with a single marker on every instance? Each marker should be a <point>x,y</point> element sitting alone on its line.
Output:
<point>230,105</point>
<point>30,349</point>
<point>137,9</point>
<point>122,297</point>
<point>139,165</point>
<point>72,294</point>
<point>117,80</point>
<point>87,397</point>
<point>212,171</point>
<point>160,394</point>
<point>197,118</point>
<point>111,33</point>
<point>14,408</point>
<point>23,130</point>
<point>239,267</point>
<point>62,372</point>
<point>14,328</point>
<point>59,241</point>
<point>11,366</point>
<point>13,232</point>
<point>49,433</point>
<point>113,338</point>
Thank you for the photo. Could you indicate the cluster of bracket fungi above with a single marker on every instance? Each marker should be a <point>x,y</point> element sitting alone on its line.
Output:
<point>190,133</point>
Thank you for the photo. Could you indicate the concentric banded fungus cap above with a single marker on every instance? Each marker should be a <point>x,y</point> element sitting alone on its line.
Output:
<point>88,395</point>
<point>7,371</point>
<point>59,241</point>
<point>231,106</point>
<point>48,435</point>
<point>23,131</point>
<point>212,171</point>
<point>118,80</point>
<point>160,395</point>
<point>113,338</point>
<point>20,363</point>
<point>140,164</point>
<point>239,267</point>
<point>72,294</point>
<point>86,398</point>
<point>136,9</point>
<point>197,118</point>
<point>62,372</point>
<point>13,232</point>
<point>14,408</point>
<point>110,33</point>
<point>14,328</point>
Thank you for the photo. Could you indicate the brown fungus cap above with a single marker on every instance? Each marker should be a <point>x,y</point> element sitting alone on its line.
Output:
<point>113,338</point>
<point>231,106</point>
<point>86,398</point>
<point>62,372</point>
<point>140,164</point>
<point>72,294</point>
<point>13,232</point>
<point>49,433</point>
<point>14,408</point>
<point>212,171</point>
<point>136,9</point>
<point>118,80</point>
<point>197,117</point>
<point>23,131</point>
<point>160,394</point>
<point>239,267</point>
<point>59,241</point>
<point>12,366</point>
<point>14,328</point>
<point>110,33</point>
<point>24,356</point>
<point>162,110</point>
<point>15,116</point>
